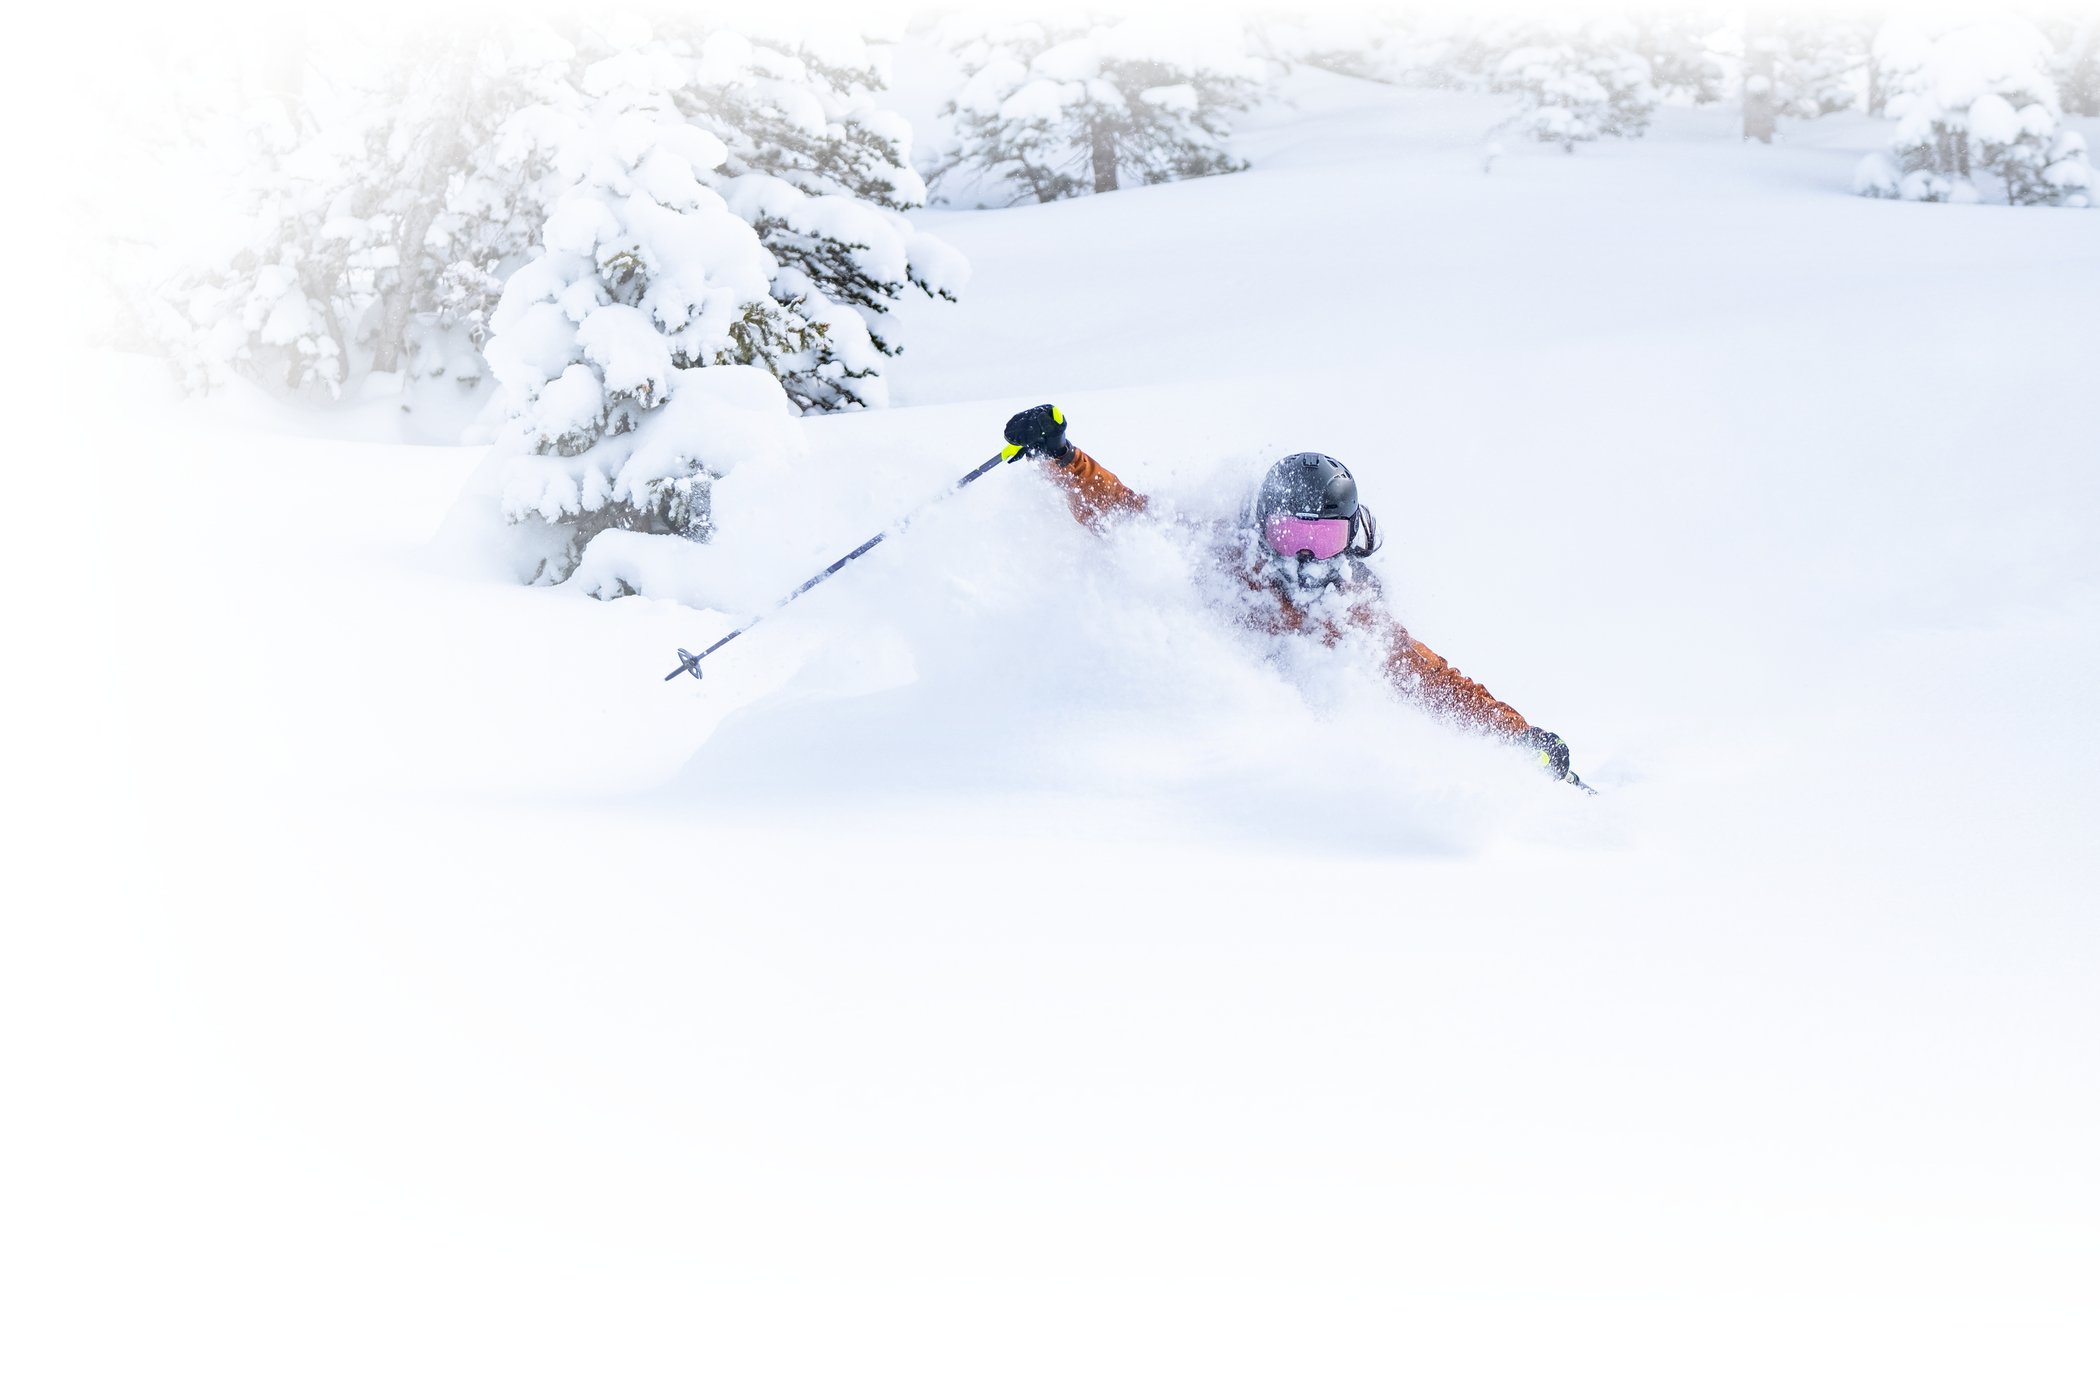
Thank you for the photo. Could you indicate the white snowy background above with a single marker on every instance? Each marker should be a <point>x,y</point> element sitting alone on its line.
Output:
<point>1001,976</point>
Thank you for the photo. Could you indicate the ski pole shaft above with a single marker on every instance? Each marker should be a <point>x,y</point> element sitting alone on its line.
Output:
<point>689,662</point>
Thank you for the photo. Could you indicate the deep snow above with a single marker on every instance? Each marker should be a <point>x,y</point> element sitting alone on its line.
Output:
<point>998,977</point>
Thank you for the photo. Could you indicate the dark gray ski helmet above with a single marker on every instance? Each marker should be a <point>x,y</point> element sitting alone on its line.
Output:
<point>1308,485</point>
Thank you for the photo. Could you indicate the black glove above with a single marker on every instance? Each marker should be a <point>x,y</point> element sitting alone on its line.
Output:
<point>1553,754</point>
<point>1038,431</point>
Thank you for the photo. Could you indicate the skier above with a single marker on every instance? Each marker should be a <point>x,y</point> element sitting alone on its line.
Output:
<point>1298,550</point>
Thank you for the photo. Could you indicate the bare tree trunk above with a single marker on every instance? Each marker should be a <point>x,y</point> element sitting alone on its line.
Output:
<point>401,297</point>
<point>1760,71</point>
<point>335,333</point>
<point>1104,158</point>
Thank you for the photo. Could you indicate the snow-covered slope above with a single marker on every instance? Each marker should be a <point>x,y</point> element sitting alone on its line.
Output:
<point>1000,977</point>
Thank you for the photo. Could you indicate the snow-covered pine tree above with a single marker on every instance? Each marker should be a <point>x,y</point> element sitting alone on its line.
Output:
<point>804,109</point>
<point>1798,64</point>
<point>1676,42</point>
<point>1060,111</point>
<point>1819,61</point>
<point>824,176</point>
<point>603,342</point>
<point>1896,54</point>
<point>1976,100</point>
<point>1474,48</point>
<point>383,234</point>
<point>1578,80</point>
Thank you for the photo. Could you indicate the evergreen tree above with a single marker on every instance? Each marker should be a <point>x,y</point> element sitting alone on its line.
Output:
<point>646,279</point>
<point>1898,52</point>
<point>382,236</point>
<point>1682,65</point>
<point>1818,62</point>
<point>1578,80</point>
<point>823,174</point>
<point>1798,65</point>
<point>1057,112</point>
<point>1976,100</point>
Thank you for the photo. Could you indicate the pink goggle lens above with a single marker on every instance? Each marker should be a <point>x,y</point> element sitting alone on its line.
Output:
<point>1290,536</point>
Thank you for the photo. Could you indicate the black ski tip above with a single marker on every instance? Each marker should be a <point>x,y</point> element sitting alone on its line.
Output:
<point>688,664</point>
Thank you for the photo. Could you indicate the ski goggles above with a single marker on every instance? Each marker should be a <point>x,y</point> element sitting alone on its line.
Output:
<point>1290,536</point>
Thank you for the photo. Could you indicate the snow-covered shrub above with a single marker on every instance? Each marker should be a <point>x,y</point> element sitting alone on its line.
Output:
<point>1976,100</point>
<point>1578,80</point>
<point>1057,112</point>
<point>603,343</point>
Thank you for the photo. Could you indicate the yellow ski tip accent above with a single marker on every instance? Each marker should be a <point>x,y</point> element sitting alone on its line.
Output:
<point>1009,452</point>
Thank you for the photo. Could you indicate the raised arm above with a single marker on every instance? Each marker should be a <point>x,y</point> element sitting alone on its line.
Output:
<point>1092,490</point>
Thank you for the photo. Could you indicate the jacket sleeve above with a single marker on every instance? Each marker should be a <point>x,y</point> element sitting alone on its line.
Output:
<point>1092,491</point>
<point>1437,686</point>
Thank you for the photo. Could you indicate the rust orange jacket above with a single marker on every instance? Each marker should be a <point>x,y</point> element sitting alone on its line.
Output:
<point>1096,496</point>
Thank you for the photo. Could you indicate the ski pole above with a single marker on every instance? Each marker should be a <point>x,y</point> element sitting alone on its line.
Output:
<point>689,662</point>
